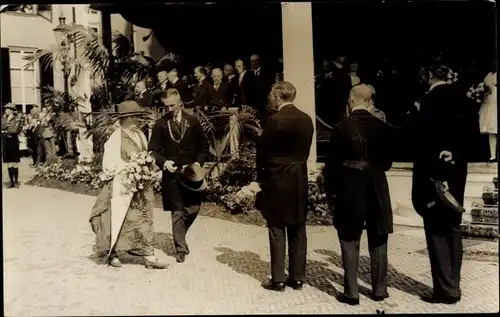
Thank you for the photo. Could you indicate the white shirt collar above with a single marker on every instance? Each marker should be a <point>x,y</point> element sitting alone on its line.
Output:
<point>142,92</point>
<point>360,108</point>
<point>243,73</point>
<point>284,104</point>
<point>231,76</point>
<point>438,83</point>
<point>257,70</point>
<point>174,81</point>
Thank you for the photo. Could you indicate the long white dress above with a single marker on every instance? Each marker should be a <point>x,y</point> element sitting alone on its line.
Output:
<point>488,111</point>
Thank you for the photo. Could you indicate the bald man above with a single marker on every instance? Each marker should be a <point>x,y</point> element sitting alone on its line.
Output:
<point>202,90</point>
<point>178,140</point>
<point>359,155</point>
<point>142,94</point>
<point>220,95</point>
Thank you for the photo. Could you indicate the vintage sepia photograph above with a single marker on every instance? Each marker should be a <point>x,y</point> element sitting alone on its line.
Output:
<point>243,158</point>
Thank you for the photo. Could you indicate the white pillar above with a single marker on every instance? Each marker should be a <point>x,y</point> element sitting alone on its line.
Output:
<point>298,60</point>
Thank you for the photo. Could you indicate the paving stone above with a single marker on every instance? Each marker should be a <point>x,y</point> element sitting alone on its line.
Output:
<point>50,270</point>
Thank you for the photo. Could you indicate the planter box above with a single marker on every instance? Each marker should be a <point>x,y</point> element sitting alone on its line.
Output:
<point>476,231</point>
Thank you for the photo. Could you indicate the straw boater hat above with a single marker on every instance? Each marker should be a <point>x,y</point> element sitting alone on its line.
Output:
<point>10,106</point>
<point>193,178</point>
<point>129,108</point>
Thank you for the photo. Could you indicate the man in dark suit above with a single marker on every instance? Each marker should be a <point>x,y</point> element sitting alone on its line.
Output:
<point>219,94</point>
<point>440,153</point>
<point>202,90</point>
<point>142,94</point>
<point>357,189</point>
<point>232,81</point>
<point>262,82</point>
<point>333,92</point>
<point>181,86</point>
<point>244,84</point>
<point>282,156</point>
<point>178,140</point>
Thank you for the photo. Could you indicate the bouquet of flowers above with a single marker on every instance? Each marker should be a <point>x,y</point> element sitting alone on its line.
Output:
<point>476,92</point>
<point>140,172</point>
<point>452,77</point>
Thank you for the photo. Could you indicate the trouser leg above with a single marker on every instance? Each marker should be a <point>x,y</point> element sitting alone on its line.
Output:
<point>277,242</point>
<point>440,259</point>
<point>190,215</point>
<point>350,260</point>
<point>456,251</point>
<point>297,251</point>
<point>377,246</point>
<point>179,231</point>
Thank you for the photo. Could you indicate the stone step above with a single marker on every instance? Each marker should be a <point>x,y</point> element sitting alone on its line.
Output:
<point>480,231</point>
<point>485,214</point>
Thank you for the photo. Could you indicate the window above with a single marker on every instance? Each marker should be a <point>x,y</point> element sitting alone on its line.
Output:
<point>23,80</point>
<point>23,8</point>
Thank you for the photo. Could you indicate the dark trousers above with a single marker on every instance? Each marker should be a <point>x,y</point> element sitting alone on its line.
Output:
<point>181,222</point>
<point>297,249</point>
<point>444,243</point>
<point>377,246</point>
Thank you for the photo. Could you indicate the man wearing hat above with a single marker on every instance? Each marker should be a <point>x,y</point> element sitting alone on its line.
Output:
<point>180,149</point>
<point>11,127</point>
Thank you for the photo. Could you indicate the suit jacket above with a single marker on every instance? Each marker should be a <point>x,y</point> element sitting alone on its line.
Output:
<point>183,89</point>
<point>190,146</point>
<point>145,99</point>
<point>220,97</point>
<point>244,89</point>
<point>202,93</point>
<point>260,88</point>
<point>359,154</point>
<point>439,126</point>
<point>232,89</point>
<point>282,155</point>
<point>333,96</point>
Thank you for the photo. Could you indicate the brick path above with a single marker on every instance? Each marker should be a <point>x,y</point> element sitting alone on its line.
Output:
<point>49,269</point>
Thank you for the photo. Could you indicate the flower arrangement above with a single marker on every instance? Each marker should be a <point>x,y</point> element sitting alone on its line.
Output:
<point>452,77</point>
<point>86,172</point>
<point>140,172</point>
<point>476,92</point>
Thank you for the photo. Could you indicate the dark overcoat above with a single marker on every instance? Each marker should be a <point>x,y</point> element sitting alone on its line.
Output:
<point>358,157</point>
<point>192,147</point>
<point>282,166</point>
<point>440,125</point>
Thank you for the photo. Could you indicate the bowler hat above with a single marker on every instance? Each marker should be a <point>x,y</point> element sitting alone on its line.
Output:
<point>193,178</point>
<point>10,106</point>
<point>129,108</point>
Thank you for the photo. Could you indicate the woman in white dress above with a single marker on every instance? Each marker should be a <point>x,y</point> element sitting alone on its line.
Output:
<point>123,222</point>
<point>488,113</point>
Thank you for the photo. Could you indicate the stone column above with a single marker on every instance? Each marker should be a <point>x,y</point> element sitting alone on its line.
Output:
<point>298,60</point>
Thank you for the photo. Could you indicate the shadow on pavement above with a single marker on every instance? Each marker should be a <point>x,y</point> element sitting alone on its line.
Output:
<point>162,241</point>
<point>396,279</point>
<point>318,275</point>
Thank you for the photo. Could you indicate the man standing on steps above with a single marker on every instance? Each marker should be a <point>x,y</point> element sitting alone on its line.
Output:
<point>357,189</point>
<point>282,173</point>
<point>178,140</point>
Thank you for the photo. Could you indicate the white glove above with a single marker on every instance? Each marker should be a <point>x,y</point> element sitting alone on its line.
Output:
<point>170,166</point>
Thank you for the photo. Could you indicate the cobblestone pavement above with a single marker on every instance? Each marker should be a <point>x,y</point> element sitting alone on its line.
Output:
<point>49,269</point>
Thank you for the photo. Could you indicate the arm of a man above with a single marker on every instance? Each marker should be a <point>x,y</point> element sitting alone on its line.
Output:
<point>265,144</point>
<point>155,144</point>
<point>201,143</point>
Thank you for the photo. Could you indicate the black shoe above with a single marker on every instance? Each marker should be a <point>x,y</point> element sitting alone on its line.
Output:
<point>181,257</point>
<point>17,185</point>
<point>346,300</point>
<point>272,286</point>
<point>380,298</point>
<point>296,285</point>
<point>11,185</point>
<point>449,300</point>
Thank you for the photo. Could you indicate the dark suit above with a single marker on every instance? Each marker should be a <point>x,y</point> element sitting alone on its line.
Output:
<point>439,126</point>
<point>191,148</point>
<point>202,93</point>
<point>333,95</point>
<point>183,90</point>
<point>282,172</point>
<point>261,86</point>
<point>244,89</point>
<point>359,155</point>
<point>232,84</point>
<point>144,99</point>
<point>220,97</point>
